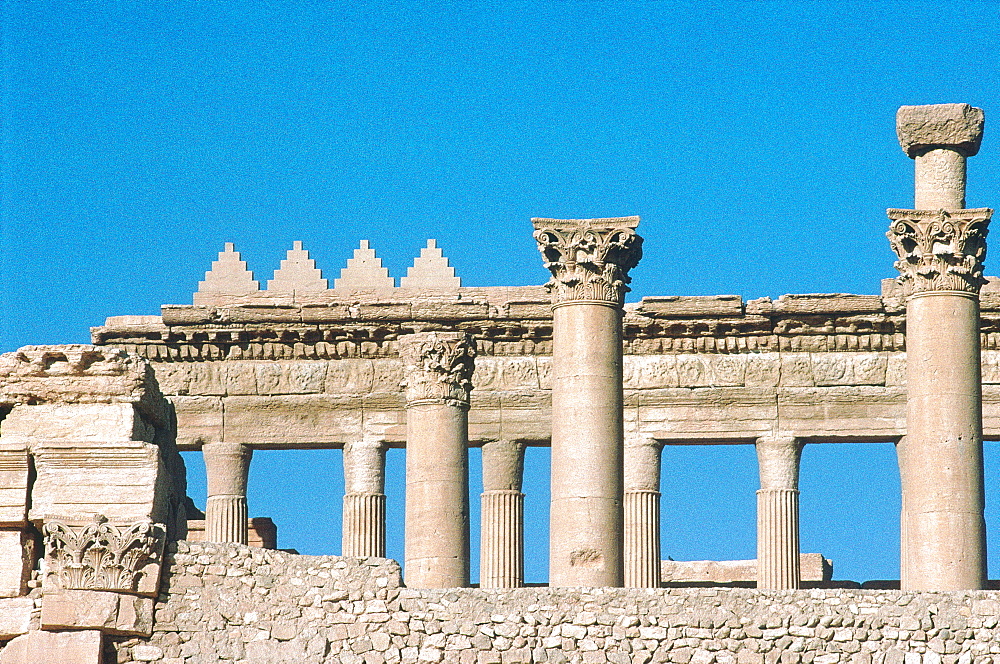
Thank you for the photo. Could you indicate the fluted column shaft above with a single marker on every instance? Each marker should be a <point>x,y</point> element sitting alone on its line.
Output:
<point>227,466</point>
<point>502,527</point>
<point>364,499</point>
<point>589,260</point>
<point>642,513</point>
<point>778,566</point>
<point>437,373</point>
<point>941,246</point>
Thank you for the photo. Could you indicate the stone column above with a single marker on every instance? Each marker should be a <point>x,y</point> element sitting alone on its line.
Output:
<point>642,512</point>
<point>502,529</point>
<point>778,513</point>
<point>226,466</point>
<point>437,370</point>
<point>941,247</point>
<point>589,260</point>
<point>364,499</point>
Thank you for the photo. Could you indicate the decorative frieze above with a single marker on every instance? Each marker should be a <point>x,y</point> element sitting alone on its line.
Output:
<point>939,250</point>
<point>104,556</point>
<point>589,258</point>
<point>437,367</point>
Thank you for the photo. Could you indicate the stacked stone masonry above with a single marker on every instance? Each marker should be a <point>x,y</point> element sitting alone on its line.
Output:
<point>234,604</point>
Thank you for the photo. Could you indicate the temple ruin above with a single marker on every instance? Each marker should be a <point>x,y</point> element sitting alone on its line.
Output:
<point>104,557</point>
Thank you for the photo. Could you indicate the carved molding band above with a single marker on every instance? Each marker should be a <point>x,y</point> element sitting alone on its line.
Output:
<point>437,367</point>
<point>102,555</point>
<point>939,250</point>
<point>589,258</point>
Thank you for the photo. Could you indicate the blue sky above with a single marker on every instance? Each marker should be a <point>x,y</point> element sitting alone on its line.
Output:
<point>755,139</point>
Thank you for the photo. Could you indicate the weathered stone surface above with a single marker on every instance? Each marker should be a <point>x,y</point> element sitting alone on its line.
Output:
<point>228,601</point>
<point>15,616</point>
<point>36,647</point>
<point>939,125</point>
<point>813,568</point>
<point>109,612</point>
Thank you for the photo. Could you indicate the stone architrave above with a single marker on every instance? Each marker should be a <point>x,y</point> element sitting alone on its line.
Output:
<point>589,260</point>
<point>502,525</point>
<point>437,370</point>
<point>364,499</point>
<point>778,566</point>
<point>227,466</point>
<point>642,512</point>
<point>940,247</point>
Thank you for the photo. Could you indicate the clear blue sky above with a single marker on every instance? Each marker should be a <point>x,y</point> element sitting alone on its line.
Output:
<point>755,139</point>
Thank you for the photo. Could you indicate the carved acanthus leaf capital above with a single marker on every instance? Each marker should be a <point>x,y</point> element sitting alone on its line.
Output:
<point>939,250</point>
<point>437,367</point>
<point>589,258</point>
<point>102,555</point>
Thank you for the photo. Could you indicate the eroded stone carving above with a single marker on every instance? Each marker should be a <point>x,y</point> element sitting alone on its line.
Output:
<point>939,250</point>
<point>438,367</point>
<point>589,258</point>
<point>102,555</point>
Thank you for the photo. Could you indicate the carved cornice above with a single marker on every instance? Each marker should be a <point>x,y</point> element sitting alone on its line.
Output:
<point>589,258</point>
<point>102,555</point>
<point>437,367</point>
<point>939,250</point>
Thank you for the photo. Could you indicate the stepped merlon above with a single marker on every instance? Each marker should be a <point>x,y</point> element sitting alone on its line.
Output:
<point>431,271</point>
<point>298,272</point>
<point>364,272</point>
<point>229,275</point>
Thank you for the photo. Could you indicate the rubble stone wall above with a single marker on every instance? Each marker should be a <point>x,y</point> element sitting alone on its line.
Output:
<point>231,603</point>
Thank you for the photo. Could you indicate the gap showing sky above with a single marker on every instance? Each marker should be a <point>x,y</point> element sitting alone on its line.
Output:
<point>755,139</point>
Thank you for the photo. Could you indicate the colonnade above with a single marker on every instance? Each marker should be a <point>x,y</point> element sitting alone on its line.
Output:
<point>605,507</point>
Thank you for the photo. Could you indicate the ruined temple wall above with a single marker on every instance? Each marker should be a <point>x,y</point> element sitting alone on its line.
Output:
<point>230,603</point>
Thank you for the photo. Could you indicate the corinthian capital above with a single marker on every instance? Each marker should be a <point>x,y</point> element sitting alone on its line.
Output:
<point>437,367</point>
<point>939,250</point>
<point>589,258</point>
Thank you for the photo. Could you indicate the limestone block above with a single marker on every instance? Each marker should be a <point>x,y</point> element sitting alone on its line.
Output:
<point>450,311</point>
<point>725,413</point>
<point>815,303</point>
<point>351,376</point>
<point>763,370</point>
<point>689,306</point>
<point>938,125</point>
<point>991,412</point>
<point>76,373</point>
<point>16,559</point>
<point>119,480</point>
<point>895,370</point>
<point>323,311</point>
<point>544,365</point>
<point>814,568</point>
<point>711,370</point>
<point>13,486</point>
<point>109,612</point>
<point>650,371</point>
<point>92,422</point>
<point>15,616</point>
<point>385,311</point>
<point>856,411</point>
<point>796,370</point>
<point>83,647</point>
<point>387,375</point>
<point>207,378</point>
<point>199,420</point>
<point>385,425</point>
<point>990,366</point>
<point>525,416</point>
<point>261,530</point>
<point>849,368</point>
<point>292,419</point>
<point>302,377</point>
<point>172,377</point>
